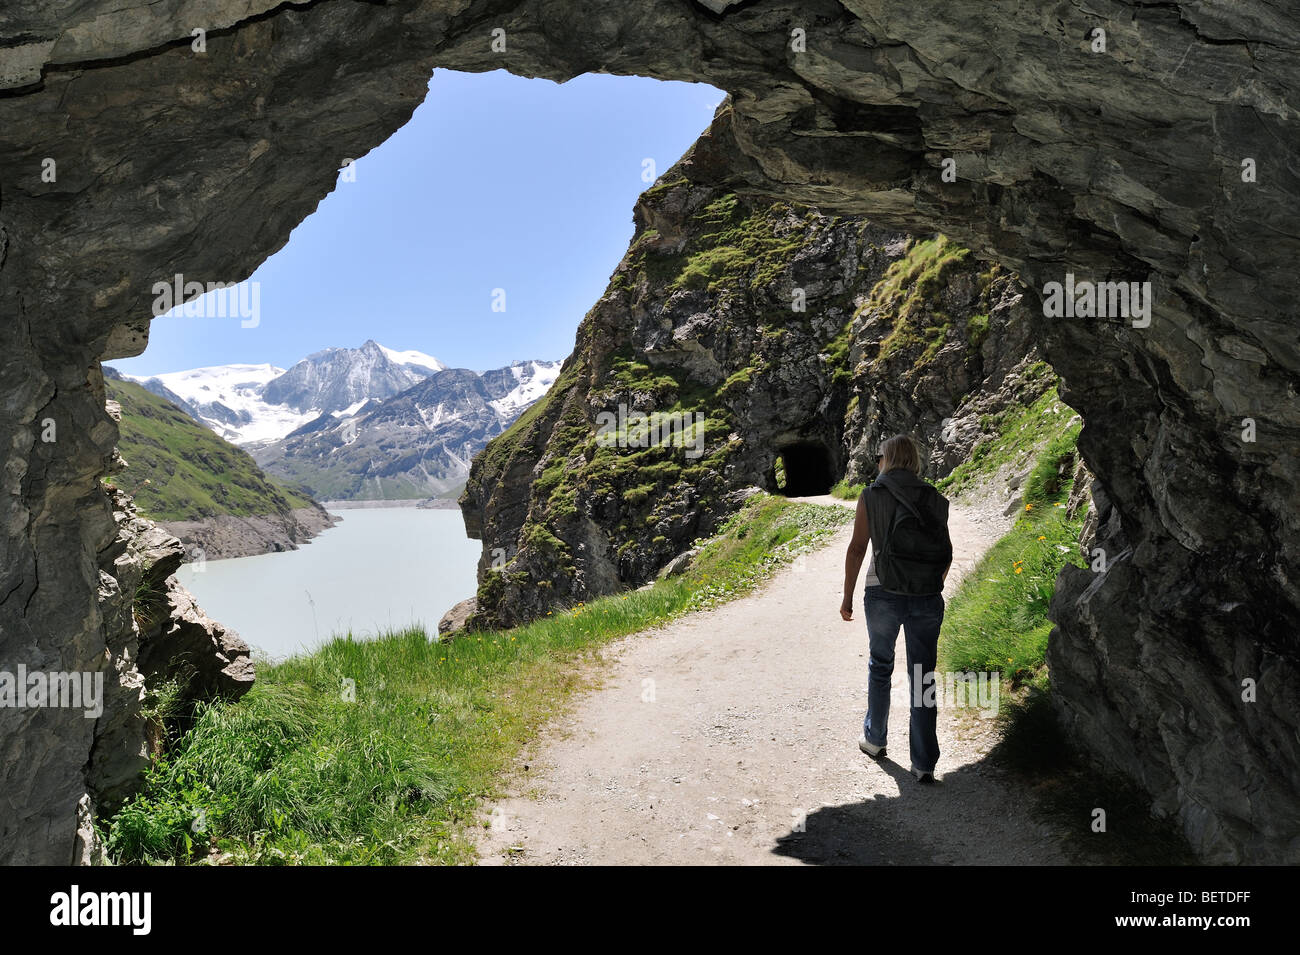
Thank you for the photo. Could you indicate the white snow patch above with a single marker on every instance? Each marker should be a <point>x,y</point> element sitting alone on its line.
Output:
<point>350,410</point>
<point>239,388</point>
<point>435,417</point>
<point>539,375</point>
<point>412,358</point>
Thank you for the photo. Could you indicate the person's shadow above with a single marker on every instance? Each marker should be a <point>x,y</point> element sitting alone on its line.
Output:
<point>872,832</point>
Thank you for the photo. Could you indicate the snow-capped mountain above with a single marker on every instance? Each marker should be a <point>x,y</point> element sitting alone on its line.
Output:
<point>368,422</point>
<point>417,444</point>
<point>256,404</point>
<point>229,400</point>
<point>526,380</point>
<point>415,360</point>
<point>338,378</point>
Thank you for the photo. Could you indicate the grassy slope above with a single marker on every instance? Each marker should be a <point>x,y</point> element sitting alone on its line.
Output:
<point>180,470</point>
<point>846,491</point>
<point>1013,436</point>
<point>997,622</point>
<point>298,773</point>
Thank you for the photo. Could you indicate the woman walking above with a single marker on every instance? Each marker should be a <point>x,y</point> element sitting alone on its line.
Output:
<point>905,519</point>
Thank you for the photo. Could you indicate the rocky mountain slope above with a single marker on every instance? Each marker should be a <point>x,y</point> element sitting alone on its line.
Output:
<point>418,444</point>
<point>160,642</point>
<point>940,348</point>
<point>201,488</point>
<point>745,334</point>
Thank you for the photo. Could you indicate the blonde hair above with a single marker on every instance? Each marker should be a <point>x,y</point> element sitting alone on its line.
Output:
<point>900,451</point>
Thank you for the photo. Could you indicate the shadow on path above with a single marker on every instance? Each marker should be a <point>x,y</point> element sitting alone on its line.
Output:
<point>909,828</point>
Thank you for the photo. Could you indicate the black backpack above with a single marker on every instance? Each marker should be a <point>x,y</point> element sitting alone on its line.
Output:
<point>915,549</point>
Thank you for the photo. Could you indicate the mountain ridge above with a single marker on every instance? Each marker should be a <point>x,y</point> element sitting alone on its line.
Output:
<point>254,404</point>
<point>415,445</point>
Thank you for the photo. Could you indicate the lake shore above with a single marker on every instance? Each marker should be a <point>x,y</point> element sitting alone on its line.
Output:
<point>227,536</point>
<point>428,504</point>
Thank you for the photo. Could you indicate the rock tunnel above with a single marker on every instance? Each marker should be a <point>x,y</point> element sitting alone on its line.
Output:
<point>1168,156</point>
<point>807,468</point>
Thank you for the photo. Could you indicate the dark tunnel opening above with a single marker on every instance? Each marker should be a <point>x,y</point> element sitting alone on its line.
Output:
<point>803,469</point>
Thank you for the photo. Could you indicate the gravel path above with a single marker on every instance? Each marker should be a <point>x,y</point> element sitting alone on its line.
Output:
<point>743,749</point>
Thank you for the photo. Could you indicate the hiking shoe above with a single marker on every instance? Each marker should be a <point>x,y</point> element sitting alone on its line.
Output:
<point>871,749</point>
<point>922,777</point>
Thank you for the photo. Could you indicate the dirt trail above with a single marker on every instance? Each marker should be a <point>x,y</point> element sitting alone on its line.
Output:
<point>751,736</point>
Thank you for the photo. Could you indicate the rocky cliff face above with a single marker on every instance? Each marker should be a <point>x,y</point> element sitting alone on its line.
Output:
<point>714,352</point>
<point>1125,141</point>
<point>739,345</point>
<point>157,637</point>
<point>156,640</point>
<point>939,345</point>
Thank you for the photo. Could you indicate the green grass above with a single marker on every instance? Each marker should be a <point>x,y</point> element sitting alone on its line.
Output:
<point>846,491</point>
<point>997,620</point>
<point>1053,469</point>
<point>179,470</point>
<point>297,772</point>
<point>734,245</point>
<point>910,291</point>
<point>1014,436</point>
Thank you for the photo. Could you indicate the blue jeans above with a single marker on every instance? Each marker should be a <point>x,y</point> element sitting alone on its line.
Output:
<point>920,618</point>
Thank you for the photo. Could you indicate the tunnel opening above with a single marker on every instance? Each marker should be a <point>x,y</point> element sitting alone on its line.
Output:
<point>803,469</point>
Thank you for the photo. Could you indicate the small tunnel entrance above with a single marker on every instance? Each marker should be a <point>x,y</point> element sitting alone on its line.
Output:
<point>803,469</point>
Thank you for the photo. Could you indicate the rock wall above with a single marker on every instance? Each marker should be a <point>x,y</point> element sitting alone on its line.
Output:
<point>937,347</point>
<point>1164,154</point>
<point>155,635</point>
<point>707,357</point>
<point>736,339</point>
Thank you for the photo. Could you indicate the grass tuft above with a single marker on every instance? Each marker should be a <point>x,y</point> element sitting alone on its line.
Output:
<point>846,491</point>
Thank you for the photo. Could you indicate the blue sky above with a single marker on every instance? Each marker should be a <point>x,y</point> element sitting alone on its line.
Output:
<point>496,182</point>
